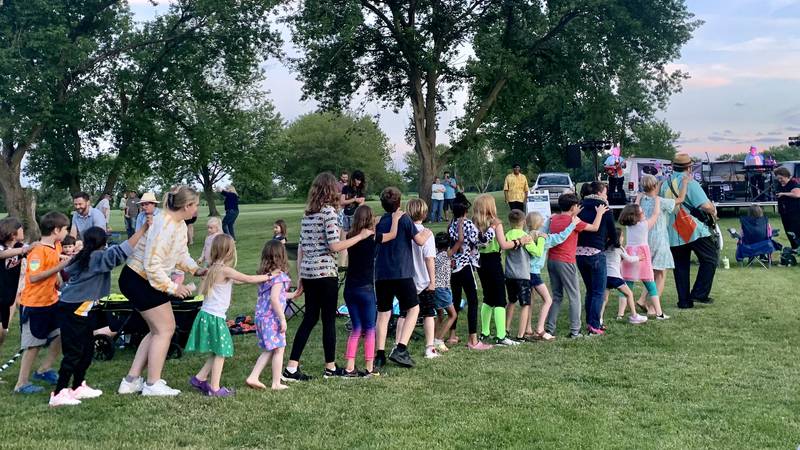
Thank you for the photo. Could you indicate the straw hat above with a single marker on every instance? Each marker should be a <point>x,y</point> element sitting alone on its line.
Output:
<point>682,159</point>
<point>148,197</point>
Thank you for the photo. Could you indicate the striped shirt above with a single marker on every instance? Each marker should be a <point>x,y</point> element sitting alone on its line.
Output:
<point>160,251</point>
<point>317,232</point>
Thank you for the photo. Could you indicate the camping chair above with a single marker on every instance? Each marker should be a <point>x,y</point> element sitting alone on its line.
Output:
<point>755,244</point>
<point>293,308</point>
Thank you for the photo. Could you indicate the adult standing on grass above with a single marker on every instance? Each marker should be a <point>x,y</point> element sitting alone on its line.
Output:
<point>231,210</point>
<point>104,206</point>
<point>687,235</point>
<point>353,195</point>
<point>148,207</point>
<point>344,180</point>
<point>450,189</point>
<point>789,205</point>
<point>319,274</point>
<point>148,283</point>
<point>437,200</point>
<point>516,189</point>
<point>131,212</point>
<point>84,216</point>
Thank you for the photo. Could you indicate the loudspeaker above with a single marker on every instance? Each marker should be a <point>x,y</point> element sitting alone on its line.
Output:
<point>573,157</point>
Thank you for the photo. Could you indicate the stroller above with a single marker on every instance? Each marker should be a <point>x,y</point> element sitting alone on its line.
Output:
<point>121,326</point>
<point>756,244</point>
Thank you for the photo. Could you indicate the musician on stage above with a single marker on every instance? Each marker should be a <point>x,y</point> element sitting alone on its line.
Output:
<point>613,166</point>
<point>755,178</point>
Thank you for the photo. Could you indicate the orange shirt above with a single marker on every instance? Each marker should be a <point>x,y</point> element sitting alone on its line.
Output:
<point>43,292</point>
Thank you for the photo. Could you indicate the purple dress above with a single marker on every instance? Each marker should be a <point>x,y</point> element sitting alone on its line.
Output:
<point>268,323</point>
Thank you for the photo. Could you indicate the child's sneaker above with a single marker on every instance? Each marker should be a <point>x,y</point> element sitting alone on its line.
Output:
<point>505,342</point>
<point>64,398</point>
<point>595,331</point>
<point>131,387</point>
<point>401,358</point>
<point>159,389</point>
<point>50,376</point>
<point>441,348</point>
<point>84,391</point>
<point>431,353</point>
<point>298,375</point>
<point>353,374</point>
<point>637,319</point>
<point>576,335</point>
<point>479,346</point>
<point>333,373</point>
<point>662,317</point>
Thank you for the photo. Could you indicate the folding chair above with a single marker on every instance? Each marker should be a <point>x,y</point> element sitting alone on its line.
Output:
<point>293,308</point>
<point>755,245</point>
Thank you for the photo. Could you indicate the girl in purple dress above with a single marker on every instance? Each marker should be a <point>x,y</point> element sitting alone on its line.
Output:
<point>269,318</point>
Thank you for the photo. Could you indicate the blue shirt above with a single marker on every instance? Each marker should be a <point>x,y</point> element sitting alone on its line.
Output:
<point>142,217</point>
<point>93,219</point>
<point>449,188</point>
<point>395,260</point>
<point>695,196</point>
<point>94,281</point>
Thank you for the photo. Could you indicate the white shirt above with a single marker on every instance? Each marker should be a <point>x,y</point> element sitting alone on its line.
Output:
<point>614,257</point>
<point>420,253</point>
<point>437,191</point>
<point>636,234</point>
<point>218,299</point>
<point>105,207</point>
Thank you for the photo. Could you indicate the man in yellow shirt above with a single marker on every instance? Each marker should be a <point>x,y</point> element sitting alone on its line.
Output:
<point>516,189</point>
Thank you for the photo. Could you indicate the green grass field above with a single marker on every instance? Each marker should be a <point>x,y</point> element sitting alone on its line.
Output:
<point>721,376</point>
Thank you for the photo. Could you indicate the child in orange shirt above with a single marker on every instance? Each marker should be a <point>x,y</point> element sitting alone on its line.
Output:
<point>38,301</point>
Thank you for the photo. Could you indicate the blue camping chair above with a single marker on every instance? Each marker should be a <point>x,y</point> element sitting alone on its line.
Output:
<point>755,244</point>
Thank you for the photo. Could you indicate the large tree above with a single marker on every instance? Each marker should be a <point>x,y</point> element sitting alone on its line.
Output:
<point>411,53</point>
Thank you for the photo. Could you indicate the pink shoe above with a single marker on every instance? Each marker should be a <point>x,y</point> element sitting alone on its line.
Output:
<point>84,391</point>
<point>479,346</point>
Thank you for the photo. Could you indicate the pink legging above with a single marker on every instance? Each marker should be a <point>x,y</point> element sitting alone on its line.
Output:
<point>362,309</point>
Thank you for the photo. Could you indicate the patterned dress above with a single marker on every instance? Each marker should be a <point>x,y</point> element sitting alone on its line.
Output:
<point>268,323</point>
<point>658,238</point>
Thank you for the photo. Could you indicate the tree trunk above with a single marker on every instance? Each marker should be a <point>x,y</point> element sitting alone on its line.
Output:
<point>20,202</point>
<point>208,190</point>
<point>424,118</point>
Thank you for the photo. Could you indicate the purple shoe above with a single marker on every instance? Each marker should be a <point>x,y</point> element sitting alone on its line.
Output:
<point>201,386</point>
<point>223,392</point>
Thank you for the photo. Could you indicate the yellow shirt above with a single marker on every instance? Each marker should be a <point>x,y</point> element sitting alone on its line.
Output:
<point>516,187</point>
<point>162,250</point>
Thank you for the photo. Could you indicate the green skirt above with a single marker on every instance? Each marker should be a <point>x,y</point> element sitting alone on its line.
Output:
<point>210,334</point>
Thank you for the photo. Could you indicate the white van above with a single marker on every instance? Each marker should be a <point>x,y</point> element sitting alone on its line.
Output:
<point>636,167</point>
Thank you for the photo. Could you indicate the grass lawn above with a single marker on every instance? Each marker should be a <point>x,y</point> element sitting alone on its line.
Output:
<point>721,376</point>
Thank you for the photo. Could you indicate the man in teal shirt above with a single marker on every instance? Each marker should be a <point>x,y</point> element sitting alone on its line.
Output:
<point>450,189</point>
<point>697,238</point>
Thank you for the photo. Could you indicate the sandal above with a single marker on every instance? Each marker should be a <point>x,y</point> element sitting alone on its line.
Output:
<point>543,336</point>
<point>453,340</point>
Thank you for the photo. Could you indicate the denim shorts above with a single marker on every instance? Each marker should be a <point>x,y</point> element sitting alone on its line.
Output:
<point>443,298</point>
<point>536,280</point>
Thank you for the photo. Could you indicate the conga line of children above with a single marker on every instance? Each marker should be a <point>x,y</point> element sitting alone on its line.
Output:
<point>392,259</point>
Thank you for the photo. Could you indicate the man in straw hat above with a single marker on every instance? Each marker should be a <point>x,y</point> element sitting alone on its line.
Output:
<point>148,207</point>
<point>689,235</point>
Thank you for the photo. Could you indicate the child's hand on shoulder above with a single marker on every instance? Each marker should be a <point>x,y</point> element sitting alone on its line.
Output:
<point>366,232</point>
<point>576,220</point>
<point>398,214</point>
<point>601,209</point>
<point>641,257</point>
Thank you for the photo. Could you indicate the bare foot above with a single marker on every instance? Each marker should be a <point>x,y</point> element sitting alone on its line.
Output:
<point>255,384</point>
<point>279,387</point>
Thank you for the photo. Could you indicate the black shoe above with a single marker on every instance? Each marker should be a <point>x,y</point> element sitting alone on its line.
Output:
<point>705,301</point>
<point>297,376</point>
<point>401,358</point>
<point>685,305</point>
<point>577,335</point>
<point>354,374</point>
<point>337,372</point>
<point>367,374</point>
<point>380,362</point>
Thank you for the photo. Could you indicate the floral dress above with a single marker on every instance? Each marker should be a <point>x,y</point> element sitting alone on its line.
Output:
<point>658,238</point>
<point>268,323</point>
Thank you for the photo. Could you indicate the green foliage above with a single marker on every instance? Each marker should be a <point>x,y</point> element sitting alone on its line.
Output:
<point>335,142</point>
<point>412,174</point>
<point>652,139</point>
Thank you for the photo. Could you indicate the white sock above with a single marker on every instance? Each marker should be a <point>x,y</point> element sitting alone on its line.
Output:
<point>291,369</point>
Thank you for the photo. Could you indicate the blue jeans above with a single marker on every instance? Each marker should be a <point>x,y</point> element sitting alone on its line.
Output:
<point>130,226</point>
<point>437,212</point>
<point>593,272</point>
<point>362,306</point>
<point>228,220</point>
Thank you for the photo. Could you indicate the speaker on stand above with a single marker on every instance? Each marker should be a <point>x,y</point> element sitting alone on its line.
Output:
<point>573,156</point>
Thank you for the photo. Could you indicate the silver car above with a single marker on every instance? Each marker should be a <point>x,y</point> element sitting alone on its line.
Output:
<point>556,183</point>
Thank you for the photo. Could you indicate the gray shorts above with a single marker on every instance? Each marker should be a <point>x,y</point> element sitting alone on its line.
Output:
<point>28,340</point>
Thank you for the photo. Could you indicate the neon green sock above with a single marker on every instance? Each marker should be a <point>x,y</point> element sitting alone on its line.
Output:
<point>500,322</point>
<point>486,319</point>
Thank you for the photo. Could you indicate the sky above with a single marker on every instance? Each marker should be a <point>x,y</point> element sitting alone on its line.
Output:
<point>744,63</point>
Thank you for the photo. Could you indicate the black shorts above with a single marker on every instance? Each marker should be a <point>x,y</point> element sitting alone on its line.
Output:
<point>448,203</point>
<point>519,291</point>
<point>427,303</point>
<point>614,282</point>
<point>492,280</point>
<point>404,289</point>
<point>140,293</point>
<point>5,312</point>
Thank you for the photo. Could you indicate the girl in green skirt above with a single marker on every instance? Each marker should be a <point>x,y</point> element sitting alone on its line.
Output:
<point>210,333</point>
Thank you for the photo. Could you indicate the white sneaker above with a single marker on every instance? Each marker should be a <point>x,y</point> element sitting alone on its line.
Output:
<point>64,398</point>
<point>84,392</point>
<point>131,387</point>
<point>662,317</point>
<point>637,319</point>
<point>159,389</point>
<point>506,342</point>
<point>431,353</point>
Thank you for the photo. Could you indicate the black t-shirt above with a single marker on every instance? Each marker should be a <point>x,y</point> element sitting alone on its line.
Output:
<point>350,192</point>
<point>789,205</point>
<point>361,262</point>
<point>9,276</point>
